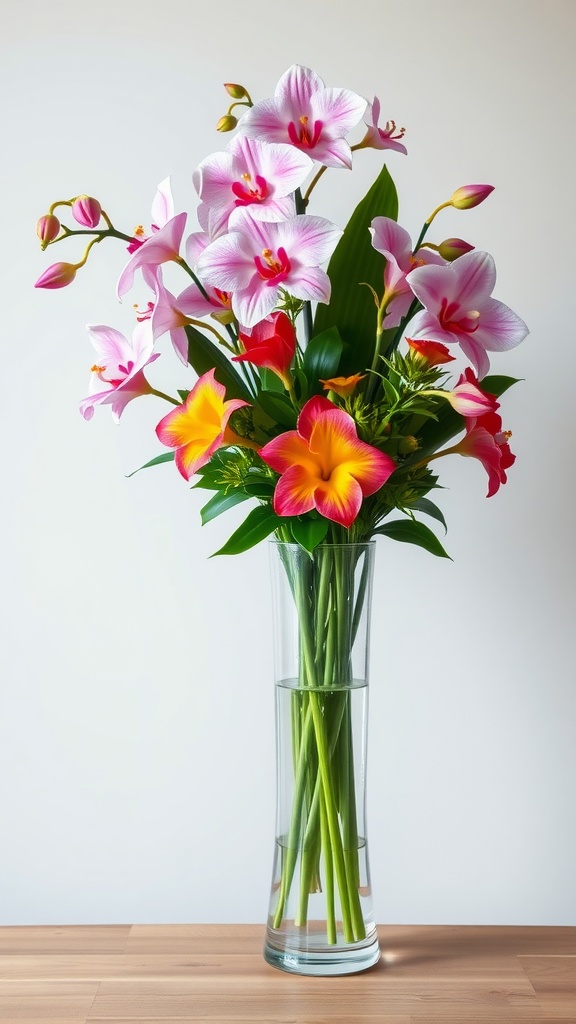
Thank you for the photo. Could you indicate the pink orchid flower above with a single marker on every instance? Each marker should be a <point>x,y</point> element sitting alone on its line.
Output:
<point>254,174</point>
<point>395,244</point>
<point>257,259</point>
<point>307,115</point>
<point>324,465</point>
<point>381,138</point>
<point>162,247</point>
<point>117,376</point>
<point>468,399</point>
<point>459,309</point>
<point>162,212</point>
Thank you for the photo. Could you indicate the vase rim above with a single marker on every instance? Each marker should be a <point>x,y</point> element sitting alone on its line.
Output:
<point>340,544</point>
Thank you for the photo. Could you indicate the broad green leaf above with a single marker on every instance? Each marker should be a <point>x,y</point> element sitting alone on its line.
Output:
<point>497,383</point>
<point>309,532</point>
<point>322,358</point>
<point>351,308</point>
<point>279,407</point>
<point>270,380</point>
<point>408,531</point>
<point>221,502</point>
<point>165,457</point>
<point>204,355</point>
<point>431,509</point>
<point>258,525</point>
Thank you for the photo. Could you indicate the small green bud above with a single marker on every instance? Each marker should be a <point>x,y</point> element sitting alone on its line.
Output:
<point>227,123</point>
<point>237,92</point>
<point>408,444</point>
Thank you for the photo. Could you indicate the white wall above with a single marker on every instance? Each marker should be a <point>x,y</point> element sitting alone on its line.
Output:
<point>136,725</point>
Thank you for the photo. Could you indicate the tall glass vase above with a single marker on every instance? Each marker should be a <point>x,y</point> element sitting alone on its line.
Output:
<point>321,919</point>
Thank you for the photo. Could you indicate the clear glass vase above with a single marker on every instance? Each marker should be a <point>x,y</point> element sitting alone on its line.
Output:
<point>321,918</point>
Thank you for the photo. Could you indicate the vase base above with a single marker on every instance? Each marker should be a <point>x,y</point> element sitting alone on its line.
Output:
<point>326,961</point>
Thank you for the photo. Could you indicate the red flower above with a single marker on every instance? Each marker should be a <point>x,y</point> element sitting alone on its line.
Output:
<point>272,344</point>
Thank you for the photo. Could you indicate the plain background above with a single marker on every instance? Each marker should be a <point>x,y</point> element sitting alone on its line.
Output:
<point>136,697</point>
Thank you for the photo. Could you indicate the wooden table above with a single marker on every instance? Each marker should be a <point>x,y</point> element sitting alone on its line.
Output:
<point>215,973</point>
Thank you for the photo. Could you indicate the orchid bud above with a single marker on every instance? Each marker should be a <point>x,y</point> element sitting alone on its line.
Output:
<point>57,276</point>
<point>47,229</point>
<point>467,196</point>
<point>227,123</point>
<point>87,211</point>
<point>237,92</point>
<point>451,248</point>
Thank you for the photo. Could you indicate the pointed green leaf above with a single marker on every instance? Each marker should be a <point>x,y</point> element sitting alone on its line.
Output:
<point>183,395</point>
<point>221,502</point>
<point>497,383</point>
<point>204,355</point>
<point>279,407</point>
<point>322,358</point>
<point>431,509</point>
<point>165,457</point>
<point>309,532</point>
<point>408,531</point>
<point>259,524</point>
<point>351,308</point>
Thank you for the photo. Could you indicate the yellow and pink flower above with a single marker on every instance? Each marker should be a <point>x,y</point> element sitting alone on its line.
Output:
<point>198,427</point>
<point>324,465</point>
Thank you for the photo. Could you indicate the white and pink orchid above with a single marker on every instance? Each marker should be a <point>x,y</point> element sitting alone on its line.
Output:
<point>162,247</point>
<point>162,211</point>
<point>257,259</point>
<point>395,244</point>
<point>260,176</point>
<point>117,376</point>
<point>307,115</point>
<point>459,309</point>
<point>381,138</point>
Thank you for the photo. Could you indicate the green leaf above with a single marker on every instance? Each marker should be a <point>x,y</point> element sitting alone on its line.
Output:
<point>183,394</point>
<point>309,532</point>
<point>258,525</point>
<point>322,358</point>
<point>408,531</point>
<point>351,307</point>
<point>270,380</point>
<point>221,502</point>
<point>204,355</point>
<point>431,509</point>
<point>390,391</point>
<point>165,457</point>
<point>497,383</point>
<point>278,407</point>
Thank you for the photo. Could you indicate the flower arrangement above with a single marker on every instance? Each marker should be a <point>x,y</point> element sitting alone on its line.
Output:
<point>318,417</point>
<point>322,395</point>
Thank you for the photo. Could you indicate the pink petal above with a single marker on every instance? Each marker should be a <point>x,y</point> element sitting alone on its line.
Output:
<point>227,263</point>
<point>295,89</point>
<point>295,492</point>
<point>392,241</point>
<point>252,304</point>
<point>500,328</point>
<point>162,204</point>
<point>309,283</point>
<point>310,240</point>
<point>162,246</point>
<point>340,110</point>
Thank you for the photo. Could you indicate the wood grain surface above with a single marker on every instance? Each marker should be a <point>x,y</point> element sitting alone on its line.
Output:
<point>215,974</point>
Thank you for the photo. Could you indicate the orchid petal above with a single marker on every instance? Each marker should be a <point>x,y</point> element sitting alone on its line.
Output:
<point>162,204</point>
<point>162,246</point>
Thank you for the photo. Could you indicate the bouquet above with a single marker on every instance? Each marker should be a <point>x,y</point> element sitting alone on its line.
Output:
<point>324,397</point>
